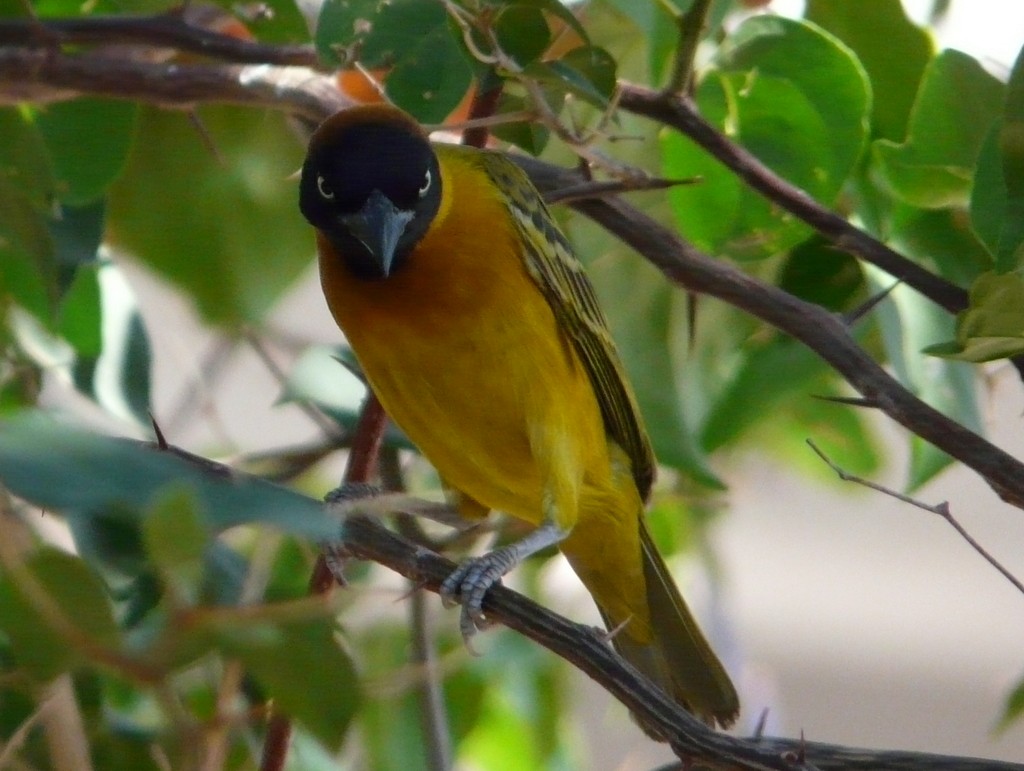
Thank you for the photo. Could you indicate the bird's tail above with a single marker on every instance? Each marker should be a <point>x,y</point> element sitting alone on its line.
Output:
<point>678,658</point>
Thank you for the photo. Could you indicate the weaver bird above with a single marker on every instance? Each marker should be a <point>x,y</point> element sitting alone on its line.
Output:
<point>479,332</point>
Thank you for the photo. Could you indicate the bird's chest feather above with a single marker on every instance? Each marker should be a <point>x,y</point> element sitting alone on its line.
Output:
<point>467,357</point>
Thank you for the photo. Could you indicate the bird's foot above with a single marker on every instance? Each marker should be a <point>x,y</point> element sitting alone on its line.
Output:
<point>334,552</point>
<point>471,580</point>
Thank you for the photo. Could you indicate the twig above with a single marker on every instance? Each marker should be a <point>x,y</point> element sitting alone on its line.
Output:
<point>164,30</point>
<point>607,188</point>
<point>311,411</point>
<point>362,462</point>
<point>691,26</point>
<point>432,712</point>
<point>313,97</point>
<point>678,112</point>
<point>821,331</point>
<point>941,509</point>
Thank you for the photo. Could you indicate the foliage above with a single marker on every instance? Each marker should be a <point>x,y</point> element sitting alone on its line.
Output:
<point>171,595</point>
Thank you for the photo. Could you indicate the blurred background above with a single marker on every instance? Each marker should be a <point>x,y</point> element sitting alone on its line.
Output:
<point>850,617</point>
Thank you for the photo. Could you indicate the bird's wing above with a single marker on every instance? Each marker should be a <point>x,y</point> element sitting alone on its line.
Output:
<point>560,276</point>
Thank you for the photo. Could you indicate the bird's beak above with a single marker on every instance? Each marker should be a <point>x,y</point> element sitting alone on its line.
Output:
<point>379,226</point>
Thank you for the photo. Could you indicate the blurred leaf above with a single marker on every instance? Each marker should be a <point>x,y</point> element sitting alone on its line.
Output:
<point>587,72</point>
<point>304,670</point>
<point>818,272</point>
<point>270,21</point>
<point>80,314</point>
<point>909,323</point>
<point>228,232</point>
<point>954,109</point>
<point>176,541</point>
<point>29,277</point>
<point>57,589</point>
<point>1013,708</point>
<point>522,32</point>
<point>648,324</point>
<point>118,378</point>
<point>798,100</point>
<point>874,34</point>
<point>992,327</point>
<point>770,374</point>
<point>88,140</point>
<point>997,199</point>
<point>77,232</point>
<point>68,469</point>
<point>942,238</point>
<point>560,11</point>
<point>529,135</point>
<point>321,377</point>
<point>429,74</point>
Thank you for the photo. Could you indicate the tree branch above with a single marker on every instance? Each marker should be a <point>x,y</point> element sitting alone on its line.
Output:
<point>311,96</point>
<point>817,328</point>
<point>169,30</point>
<point>679,113</point>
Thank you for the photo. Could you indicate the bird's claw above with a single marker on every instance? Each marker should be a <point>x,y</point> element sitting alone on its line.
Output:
<point>468,584</point>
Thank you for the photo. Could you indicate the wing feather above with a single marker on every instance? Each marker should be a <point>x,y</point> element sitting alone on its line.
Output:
<point>560,276</point>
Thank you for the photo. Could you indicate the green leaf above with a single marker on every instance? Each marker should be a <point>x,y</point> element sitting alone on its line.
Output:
<point>118,377</point>
<point>798,100</point>
<point>522,32</point>
<point>68,469</point>
<point>529,135</point>
<point>992,327</point>
<point>560,11</point>
<point>57,589</point>
<point>874,34</point>
<point>431,79</point>
<point>77,232</point>
<point>956,105</point>
<point>997,199</point>
<point>80,314</point>
<point>226,230</point>
<point>909,323</point>
<point>1014,707</point>
<point>587,72</point>
<point>758,388</point>
<point>304,670</point>
<point>88,140</point>
<point>177,541</point>
<point>817,272</point>
<point>29,277</point>
<point>429,74</point>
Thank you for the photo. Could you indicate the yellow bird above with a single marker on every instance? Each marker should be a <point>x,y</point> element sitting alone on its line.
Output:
<point>482,337</point>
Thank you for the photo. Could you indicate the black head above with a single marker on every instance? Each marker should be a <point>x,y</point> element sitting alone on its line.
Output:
<point>371,184</point>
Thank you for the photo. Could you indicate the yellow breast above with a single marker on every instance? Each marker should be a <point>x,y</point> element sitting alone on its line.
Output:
<point>466,355</point>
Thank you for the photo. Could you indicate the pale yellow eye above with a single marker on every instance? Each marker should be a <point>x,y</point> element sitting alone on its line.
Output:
<point>321,185</point>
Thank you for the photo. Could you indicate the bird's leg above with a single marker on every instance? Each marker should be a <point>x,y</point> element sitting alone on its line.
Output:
<point>335,555</point>
<point>470,581</point>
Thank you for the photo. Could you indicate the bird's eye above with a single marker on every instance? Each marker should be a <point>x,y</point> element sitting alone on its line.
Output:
<point>321,185</point>
<point>426,184</point>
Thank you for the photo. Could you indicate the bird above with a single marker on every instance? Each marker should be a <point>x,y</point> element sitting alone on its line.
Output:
<point>478,330</point>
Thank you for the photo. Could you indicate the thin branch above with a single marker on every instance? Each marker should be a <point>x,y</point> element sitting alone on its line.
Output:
<point>160,31</point>
<point>691,27</point>
<point>429,693</point>
<point>313,97</point>
<point>362,463</point>
<point>311,411</point>
<point>821,331</point>
<point>941,509</point>
<point>607,188</point>
<point>678,112</point>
